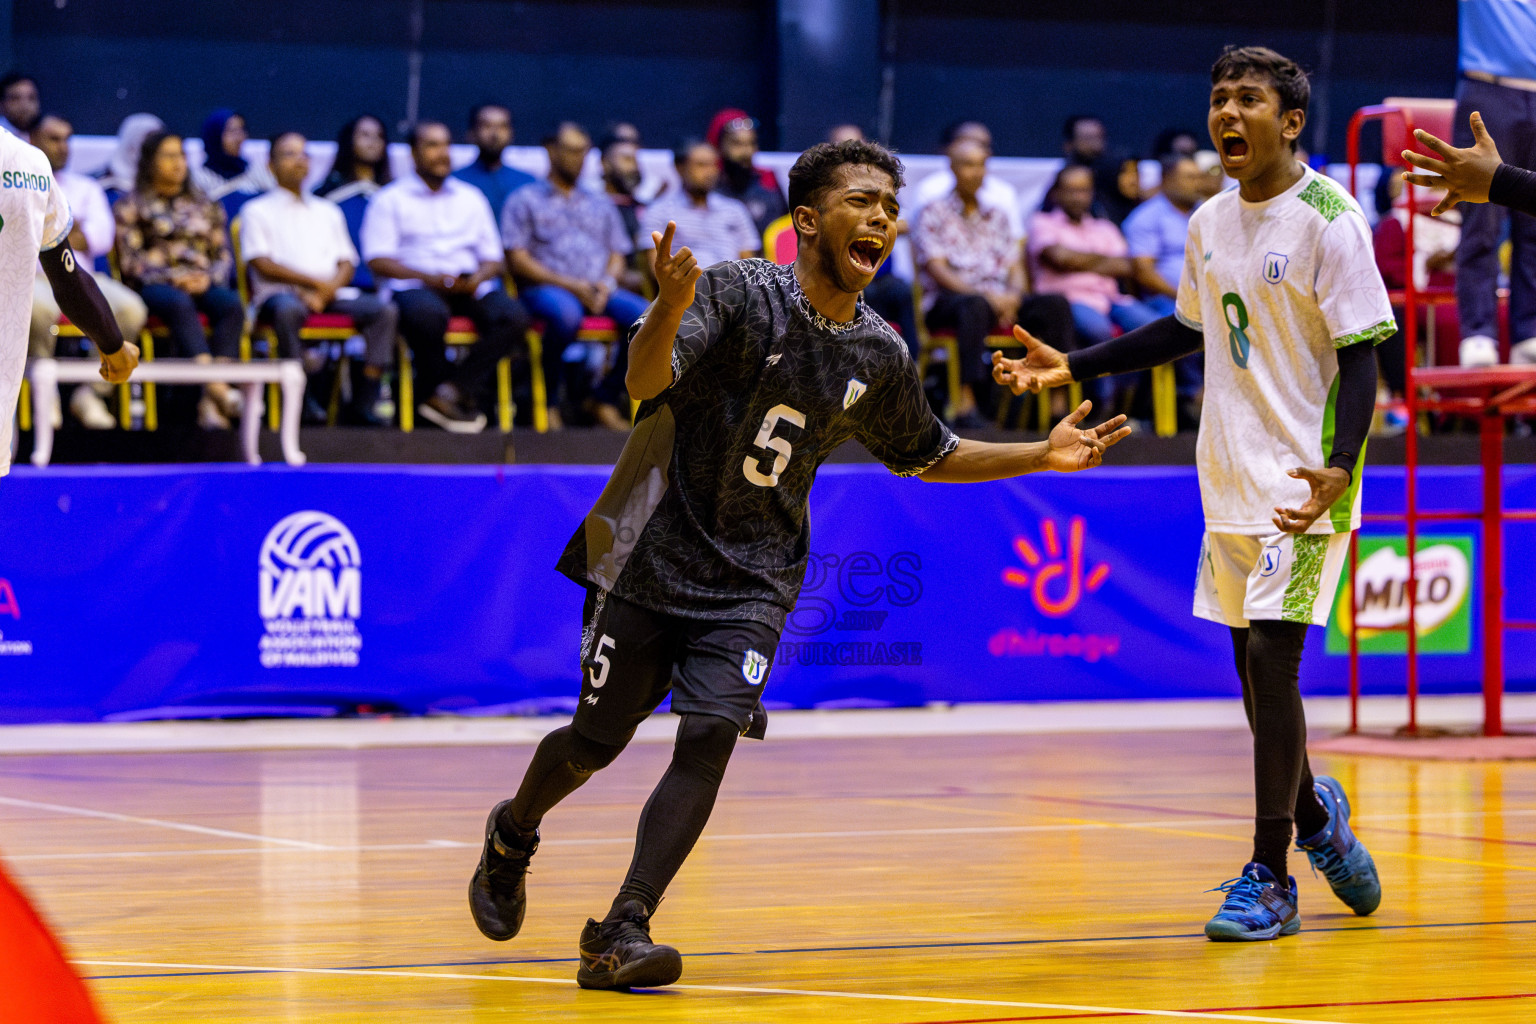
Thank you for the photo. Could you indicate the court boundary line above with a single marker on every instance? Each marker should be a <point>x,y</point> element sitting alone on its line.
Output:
<point>178,826</point>
<point>729,989</point>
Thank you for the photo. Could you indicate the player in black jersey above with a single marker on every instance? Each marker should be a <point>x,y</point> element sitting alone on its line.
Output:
<point>751,375</point>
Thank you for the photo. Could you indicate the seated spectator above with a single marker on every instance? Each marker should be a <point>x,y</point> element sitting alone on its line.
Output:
<point>1116,185</point>
<point>715,228</point>
<point>1075,254</point>
<point>972,268</point>
<point>118,177</point>
<point>226,176</point>
<point>360,169</point>
<point>19,105</point>
<point>1175,142</point>
<point>566,247</point>
<point>90,239</point>
<point>1154,235</point>
<point>994,194</point>
<point>301,261</point>
<point>1155,232</point>
<point>172,247</point>
<point>621,179</point>
<point>490,131</point>
<point>430,240</point>
<point>734,134</point>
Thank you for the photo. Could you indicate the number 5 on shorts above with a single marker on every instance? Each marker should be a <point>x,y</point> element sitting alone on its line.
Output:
<point>600,664</point>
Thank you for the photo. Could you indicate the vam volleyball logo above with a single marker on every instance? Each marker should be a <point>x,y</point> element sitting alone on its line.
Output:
<point>310,592</point>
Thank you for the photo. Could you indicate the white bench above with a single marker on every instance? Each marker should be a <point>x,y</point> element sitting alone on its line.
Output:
<point>47,374</point>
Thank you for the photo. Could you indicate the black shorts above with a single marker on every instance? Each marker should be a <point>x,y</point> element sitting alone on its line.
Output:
<point>632,657</point>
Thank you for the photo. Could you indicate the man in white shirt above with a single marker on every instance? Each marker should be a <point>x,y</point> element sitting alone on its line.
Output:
<point>91,239</point>
<point>716,228</point>
<point>433,245</point>
<point>301,262</point>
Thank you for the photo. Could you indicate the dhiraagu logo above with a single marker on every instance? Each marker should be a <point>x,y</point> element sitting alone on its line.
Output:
<point>1443,609</point>
<point>1236,315</point>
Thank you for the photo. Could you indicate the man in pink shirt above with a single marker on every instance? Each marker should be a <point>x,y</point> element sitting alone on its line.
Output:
<point>1083,257</point>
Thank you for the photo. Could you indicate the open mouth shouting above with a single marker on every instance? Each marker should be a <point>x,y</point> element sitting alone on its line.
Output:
<point>1234,148</point>
<point>865,253</point>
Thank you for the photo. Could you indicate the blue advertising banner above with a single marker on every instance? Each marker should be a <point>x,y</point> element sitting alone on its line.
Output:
<point>162,591</point>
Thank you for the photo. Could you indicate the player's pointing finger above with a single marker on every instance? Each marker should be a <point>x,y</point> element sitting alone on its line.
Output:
<point>664,243</point>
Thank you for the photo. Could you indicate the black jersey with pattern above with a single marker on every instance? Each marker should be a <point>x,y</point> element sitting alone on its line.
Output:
<point>706,514</point>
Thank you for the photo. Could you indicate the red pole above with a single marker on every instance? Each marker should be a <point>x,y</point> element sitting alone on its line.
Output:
<point>1492,431</point>
<point>1354,634</point>
<point>1411,444</point>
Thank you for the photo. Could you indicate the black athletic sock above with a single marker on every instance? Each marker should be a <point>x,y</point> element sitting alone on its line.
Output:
<point>564,760</point>
<point>1268,656</point>
<point>678,809</point>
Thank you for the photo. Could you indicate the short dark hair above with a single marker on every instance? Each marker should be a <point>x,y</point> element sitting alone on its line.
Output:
<point>952,131</point>
<point>49,115</point>
<point>1283,73</point>
<point>684,149</point>
<point>1069,126</point>
<point>816,170</point>
<point>553,135</point>
<point>413,136</point>
<point>480,108</point>
<point>10,78</point>
<point>280,136</point>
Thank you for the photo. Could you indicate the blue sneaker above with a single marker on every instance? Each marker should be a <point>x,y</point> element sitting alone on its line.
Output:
<point>1339,854</point>
<point>1257,907</point>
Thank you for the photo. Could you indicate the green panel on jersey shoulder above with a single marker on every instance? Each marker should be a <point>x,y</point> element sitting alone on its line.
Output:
<point>1342,512</point>
<point>1325,197</point>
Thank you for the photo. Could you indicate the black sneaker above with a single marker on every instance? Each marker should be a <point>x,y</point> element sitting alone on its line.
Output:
<point>620,954</point>
<point>498,897</point>
<point>452,416</point>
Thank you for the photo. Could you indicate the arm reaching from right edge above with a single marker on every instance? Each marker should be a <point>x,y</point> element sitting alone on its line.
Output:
<point>650,351</point>
<point>1474,175</point>
<point>78,297</point>
<point>1159,342</point>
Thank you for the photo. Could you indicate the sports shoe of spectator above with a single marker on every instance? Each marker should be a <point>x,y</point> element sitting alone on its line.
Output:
<point>451,415</point>
<point>1257,907</point>
<point>620,953</point>
<point>498,894</point>
<point>1339,854</point>
<point>1479,350</point>
<point>1524,353</point>
<point>90,410</point>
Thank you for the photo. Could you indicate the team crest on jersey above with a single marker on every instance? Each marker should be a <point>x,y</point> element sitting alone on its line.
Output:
<point>754,667</point>
<point>1274,267</point>
<point>773,360</point>
<point>853,392</point>
<point>1271,560</point>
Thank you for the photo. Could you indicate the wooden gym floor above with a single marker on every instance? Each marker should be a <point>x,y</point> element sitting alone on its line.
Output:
<point>951,878</point>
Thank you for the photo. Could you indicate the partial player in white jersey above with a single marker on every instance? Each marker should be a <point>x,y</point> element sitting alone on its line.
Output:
<point>35,219</point>
<point>1281,290</point>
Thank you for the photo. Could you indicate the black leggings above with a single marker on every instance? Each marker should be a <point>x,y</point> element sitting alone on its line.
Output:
<point>1268,656</point>
<point>674,816</point>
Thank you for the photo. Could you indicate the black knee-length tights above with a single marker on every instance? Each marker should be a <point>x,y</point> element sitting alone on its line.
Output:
<point>1268,656</point>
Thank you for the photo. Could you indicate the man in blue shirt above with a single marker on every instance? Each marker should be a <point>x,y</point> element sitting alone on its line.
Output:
<point>490,129</point>
<point>566,247</point>
<point>1155,232</point>
<point>1498,78</point>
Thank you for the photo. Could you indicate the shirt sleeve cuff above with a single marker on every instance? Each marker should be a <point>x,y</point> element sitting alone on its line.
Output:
<point>1374,334</point>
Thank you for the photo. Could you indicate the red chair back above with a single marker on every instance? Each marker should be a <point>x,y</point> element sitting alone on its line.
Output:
<point>1435,116</point>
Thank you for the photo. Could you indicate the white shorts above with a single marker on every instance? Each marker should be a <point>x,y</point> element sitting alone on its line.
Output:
<point>1285,576</point>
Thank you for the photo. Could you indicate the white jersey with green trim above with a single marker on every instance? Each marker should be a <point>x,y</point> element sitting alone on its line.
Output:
<point>1277,287</point>
<point>34,216</point>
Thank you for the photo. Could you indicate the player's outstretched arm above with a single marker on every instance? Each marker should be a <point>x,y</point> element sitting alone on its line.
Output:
<point>1158,342</point>
<point>1068,449</point>
<point>650,352</point>
<point>78,297</point>
<point>1465,174</point>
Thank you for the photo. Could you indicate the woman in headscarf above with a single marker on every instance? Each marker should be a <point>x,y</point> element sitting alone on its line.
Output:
<point>361,168</point>
<point>226,177</point>
<point>120,174</point>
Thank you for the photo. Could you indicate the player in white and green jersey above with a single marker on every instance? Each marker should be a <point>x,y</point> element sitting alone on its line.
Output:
<point>1281,290</point>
